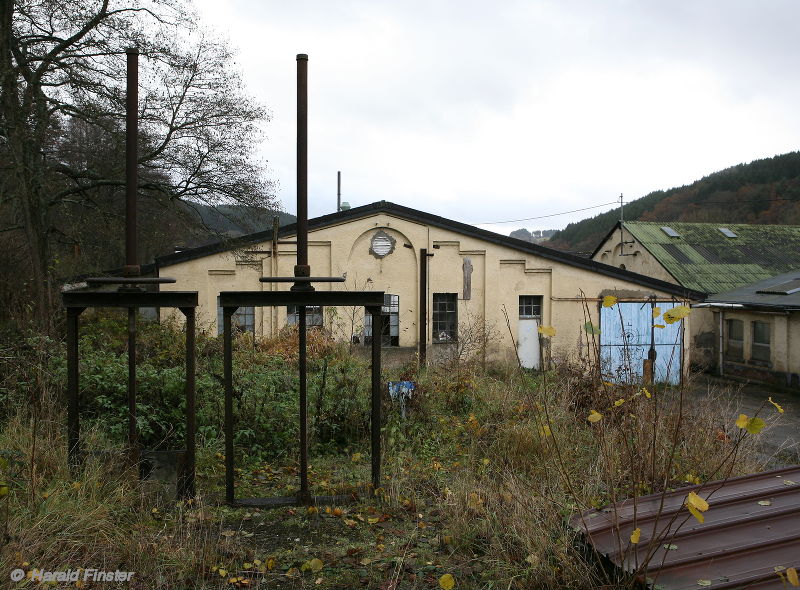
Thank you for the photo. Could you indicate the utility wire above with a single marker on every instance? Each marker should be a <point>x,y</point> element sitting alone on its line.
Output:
<point>734,202</point>
<point>550,215</point>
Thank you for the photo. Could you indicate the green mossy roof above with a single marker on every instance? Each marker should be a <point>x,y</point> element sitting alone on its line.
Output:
<point>704,259</point>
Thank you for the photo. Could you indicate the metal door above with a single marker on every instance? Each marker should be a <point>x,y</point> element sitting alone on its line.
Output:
<point>529,343</point>
<point>625,342</point>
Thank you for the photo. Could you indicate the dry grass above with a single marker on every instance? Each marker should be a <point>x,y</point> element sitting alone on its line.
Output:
<point>501,459</point>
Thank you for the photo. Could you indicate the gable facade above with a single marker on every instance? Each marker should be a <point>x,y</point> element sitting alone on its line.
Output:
<point>478,283</point>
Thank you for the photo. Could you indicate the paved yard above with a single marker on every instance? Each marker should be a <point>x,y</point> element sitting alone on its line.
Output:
<point>781,438</point>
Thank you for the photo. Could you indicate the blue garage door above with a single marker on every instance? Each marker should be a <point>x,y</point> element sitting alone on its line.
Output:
<point>625,341</point>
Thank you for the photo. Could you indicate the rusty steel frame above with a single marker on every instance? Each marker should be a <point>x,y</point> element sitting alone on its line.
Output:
<point>76,302</point>
<point>230,301</point>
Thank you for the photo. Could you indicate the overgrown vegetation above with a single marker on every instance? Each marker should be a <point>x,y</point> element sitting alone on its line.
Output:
<point>480,479</point>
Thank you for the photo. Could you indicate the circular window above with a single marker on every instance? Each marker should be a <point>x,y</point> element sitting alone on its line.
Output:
<point>381,244</point>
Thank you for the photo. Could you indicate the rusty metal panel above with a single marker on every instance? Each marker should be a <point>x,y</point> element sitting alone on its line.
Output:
<point>751,528</point>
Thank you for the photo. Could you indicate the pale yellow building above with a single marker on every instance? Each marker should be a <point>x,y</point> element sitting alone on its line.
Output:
<point>486,293</point>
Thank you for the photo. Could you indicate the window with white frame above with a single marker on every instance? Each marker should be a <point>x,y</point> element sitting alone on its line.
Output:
<point>390,334</point>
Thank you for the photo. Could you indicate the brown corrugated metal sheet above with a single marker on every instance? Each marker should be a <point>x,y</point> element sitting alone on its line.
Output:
<point>740,544</point>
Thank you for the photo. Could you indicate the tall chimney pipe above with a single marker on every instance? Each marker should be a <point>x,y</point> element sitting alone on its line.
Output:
<point>131,268</point>
<point>302,269</point>
<point>338,191</point>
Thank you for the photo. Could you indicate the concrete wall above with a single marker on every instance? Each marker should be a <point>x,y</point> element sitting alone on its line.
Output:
<point>499,276</point>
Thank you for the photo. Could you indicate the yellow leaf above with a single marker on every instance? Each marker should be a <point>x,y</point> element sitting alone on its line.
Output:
<point>696,501</point>
<point>350,523</point>
<point>544,431</point>
<point>356,457</point>
<point>656,312</point>
<point>755,425</point>
<point>313,510</point>
<point>247,566</point>
<point>594,416</point>
<point>76,485</point>
<point>696,513</point>
<point>548,331</point>
<point>659,326</point>
<point>636,535</point>
<point>3,489</point>
<point>222,572</point>
<point>646,393</point>
<point>742,421</point>
<point>475,502</point>
<point>315,564</point>
<point>486,460</point>
<point>609,301</point>
<point>791,575</point>
<point>676,313</point>
<point>270,563</point>
<point>447,582</point>
<point>619,402</point>
<point>777,406</point>
<point>373,520</point>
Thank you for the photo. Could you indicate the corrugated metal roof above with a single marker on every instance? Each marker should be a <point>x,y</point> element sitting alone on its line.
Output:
<point>749,295</point>
<point>740,544</point>
<point>705,259</point>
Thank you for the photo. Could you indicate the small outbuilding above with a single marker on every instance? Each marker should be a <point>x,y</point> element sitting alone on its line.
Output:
<point>758,329</point>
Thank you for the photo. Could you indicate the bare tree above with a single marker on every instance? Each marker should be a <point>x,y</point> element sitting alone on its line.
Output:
<point>62,62</point>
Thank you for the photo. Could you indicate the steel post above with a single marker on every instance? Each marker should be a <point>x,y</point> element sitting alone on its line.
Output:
<point>304,496</point>
<point>186,487</point>
<point>375,418</point>
<point>73,385</point>
<point>302,270</point>
<point>131,162</point>
<point>227,361</point>
<point>133,431</point>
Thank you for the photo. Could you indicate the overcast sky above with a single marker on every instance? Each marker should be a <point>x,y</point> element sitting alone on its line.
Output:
<point>490,111</point>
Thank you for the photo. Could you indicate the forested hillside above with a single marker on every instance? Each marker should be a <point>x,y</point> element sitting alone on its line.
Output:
<point>763,191</point>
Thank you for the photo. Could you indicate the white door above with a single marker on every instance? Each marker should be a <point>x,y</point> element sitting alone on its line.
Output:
<point>528,340</point>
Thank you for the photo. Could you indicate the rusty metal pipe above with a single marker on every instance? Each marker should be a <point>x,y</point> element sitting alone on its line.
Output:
<point>302,270</point>
<point>131,162</point>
